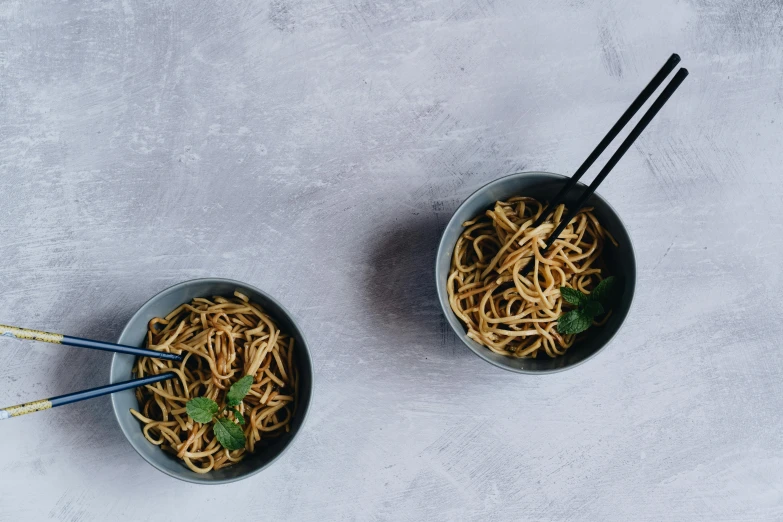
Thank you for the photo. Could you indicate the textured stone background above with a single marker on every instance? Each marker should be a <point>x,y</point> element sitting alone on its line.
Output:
<point>316,148</point>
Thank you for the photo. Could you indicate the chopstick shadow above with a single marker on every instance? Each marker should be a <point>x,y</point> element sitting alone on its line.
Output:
<point>400,285</point>
<point>79,369</point>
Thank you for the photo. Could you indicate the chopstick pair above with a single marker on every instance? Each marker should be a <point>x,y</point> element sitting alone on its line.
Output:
<point>48,337</point>
<point>640,100</point>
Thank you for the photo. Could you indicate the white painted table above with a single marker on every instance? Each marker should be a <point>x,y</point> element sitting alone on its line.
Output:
<point>316,149</point>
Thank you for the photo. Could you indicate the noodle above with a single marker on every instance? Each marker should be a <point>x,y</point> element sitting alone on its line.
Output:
<point>512,313</point>
<point>221,340</point>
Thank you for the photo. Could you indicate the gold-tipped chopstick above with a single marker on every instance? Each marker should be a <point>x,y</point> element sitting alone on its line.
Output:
<point>55,338</point>
<point>53,402</point>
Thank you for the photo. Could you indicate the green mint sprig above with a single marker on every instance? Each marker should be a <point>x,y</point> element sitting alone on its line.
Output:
<point>588,307</point>
<point>227,432</point>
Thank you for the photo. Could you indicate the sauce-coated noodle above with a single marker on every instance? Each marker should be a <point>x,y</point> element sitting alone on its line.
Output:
<point>512,313</point>
<point>221,339</point>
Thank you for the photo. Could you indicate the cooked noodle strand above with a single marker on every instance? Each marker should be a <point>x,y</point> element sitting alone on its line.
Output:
<point>512,313</point>
<point>221,339</point>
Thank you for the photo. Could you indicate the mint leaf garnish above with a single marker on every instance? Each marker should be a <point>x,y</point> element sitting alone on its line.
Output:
<point>238,390</point>
<point>588,307</point>
<point>238,416</point>
<point>572,296</point>
<point>606,291</point>
<point>228,434</point>
<point>201,409</point>
<point>573,322</point>
<point>591,309</point>
<point>204,409</point>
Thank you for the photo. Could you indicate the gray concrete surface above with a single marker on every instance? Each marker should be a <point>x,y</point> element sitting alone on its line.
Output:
<point>315,149</point>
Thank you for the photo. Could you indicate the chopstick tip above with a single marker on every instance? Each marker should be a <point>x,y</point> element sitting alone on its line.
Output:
<point>680,76</point>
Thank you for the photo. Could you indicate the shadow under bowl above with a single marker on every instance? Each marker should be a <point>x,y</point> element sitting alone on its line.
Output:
<point>134,334</point>
<point>620,261</point>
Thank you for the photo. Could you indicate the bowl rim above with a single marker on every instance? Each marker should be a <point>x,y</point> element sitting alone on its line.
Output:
<point>484,352</point>
<point>193,477</point>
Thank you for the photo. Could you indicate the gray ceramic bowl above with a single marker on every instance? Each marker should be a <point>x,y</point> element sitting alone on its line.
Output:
<point>134,335</point>
<point>542,186</point>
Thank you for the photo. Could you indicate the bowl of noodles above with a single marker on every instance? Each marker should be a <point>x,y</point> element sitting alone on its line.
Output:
<point>524,309</point>
<point>243,356</point>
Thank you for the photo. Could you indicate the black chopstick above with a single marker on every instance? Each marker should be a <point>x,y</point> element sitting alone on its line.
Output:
<point>45,404</point>
<point>55,338</point>
<point>626,144</point>
<point>640,100</point>
<point>635,133</point>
